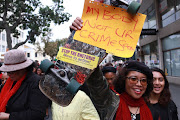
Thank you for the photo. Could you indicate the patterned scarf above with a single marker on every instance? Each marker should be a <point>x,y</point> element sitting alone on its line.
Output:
<point>7,92</point>
<point>123,112</point>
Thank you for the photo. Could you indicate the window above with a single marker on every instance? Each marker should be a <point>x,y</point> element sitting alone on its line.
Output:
<point>3,37</point>
<point>44,54</point>
<point>35,54</point>
<point>177,9</point>
<point>150,21</point>
<point>151,57</point>
<point>171,42</point>
<point>28,54</point>
<point>14,42</point>
<point>171,52</point>
<point>169,10</point>
<point>175,62</point>
<point>167,63</point>
<point>3,48</point>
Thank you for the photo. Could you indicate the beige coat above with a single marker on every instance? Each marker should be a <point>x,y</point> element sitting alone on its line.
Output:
<point>81,108</point>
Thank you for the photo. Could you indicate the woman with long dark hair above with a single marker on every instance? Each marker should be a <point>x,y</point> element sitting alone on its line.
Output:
<point>159,99</point>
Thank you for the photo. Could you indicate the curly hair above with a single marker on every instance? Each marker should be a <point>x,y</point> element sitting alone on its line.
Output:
<point>121,78</point>
<point>165,94</point>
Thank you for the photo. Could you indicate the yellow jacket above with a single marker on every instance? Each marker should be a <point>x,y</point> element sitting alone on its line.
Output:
<point>80,108</point>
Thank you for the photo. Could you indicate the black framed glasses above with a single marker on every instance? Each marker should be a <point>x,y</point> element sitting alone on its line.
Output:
<point>134,80</point>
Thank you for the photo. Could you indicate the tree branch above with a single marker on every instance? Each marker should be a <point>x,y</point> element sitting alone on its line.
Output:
<point>17,23</point>
<point>21,43</point>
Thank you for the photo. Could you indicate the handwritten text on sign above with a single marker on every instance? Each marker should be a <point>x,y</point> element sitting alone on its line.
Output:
<point>110,28</point>
<point>77,58</point>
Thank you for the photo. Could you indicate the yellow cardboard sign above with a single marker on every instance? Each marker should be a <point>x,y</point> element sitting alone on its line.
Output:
<point>77,58</point>
<point>110,28</point>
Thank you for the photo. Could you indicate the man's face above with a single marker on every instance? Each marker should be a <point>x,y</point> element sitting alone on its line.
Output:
<point>110,76</point>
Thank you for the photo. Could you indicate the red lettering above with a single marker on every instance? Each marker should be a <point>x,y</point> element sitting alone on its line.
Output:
<point>113,42</point>
<point>99,27</point>
<point>124,34</point>
<point>116,32</point>
<point>89,10</point>
<point>121,46</point>
<point>91,34</point>
<point>93,9</point>
<point>128,34</point>
<point>106,27</point>
<point>104,39</point>
<point>105,14</point>
<point>126,20</point>
<point>136,21</point>
<point>124,45</point>
<point>87,22</point>
<point>80,34</point>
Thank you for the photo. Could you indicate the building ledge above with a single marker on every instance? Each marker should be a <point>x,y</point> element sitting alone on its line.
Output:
<point>174,80</point>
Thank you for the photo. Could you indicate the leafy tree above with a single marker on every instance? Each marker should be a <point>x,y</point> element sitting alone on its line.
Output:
<point>51,47</point>
<point>38,46</point>
<point>29,15</point>
<point>61,42</point>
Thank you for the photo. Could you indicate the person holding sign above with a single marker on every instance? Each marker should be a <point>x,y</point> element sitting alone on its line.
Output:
<point>132,83</point>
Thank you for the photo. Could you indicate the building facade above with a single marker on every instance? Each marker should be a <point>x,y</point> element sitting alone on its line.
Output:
<point>3,42</point>
<point>163,49</point>
<point>30,50</point>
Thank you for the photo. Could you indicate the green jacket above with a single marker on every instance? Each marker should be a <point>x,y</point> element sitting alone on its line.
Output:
<point>105,100</point>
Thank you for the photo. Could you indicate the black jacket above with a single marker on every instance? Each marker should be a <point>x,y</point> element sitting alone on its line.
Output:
<point>171,110</point>
<point>28,103</point>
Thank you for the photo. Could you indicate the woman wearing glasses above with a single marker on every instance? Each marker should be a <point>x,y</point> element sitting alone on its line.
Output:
<point>159,98</point>
<point>133,82</point>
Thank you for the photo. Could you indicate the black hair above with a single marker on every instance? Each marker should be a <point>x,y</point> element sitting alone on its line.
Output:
<point>165,94</point>
<point>122,74</point>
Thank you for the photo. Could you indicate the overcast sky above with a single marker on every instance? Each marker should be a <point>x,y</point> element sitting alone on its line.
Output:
<point>75,8</point>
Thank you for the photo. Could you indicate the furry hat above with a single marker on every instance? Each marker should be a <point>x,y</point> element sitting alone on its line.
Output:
<point>134,65</point>
<point>15,60</point>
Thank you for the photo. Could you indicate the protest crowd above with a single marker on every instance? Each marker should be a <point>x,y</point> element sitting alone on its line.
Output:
<point>129,91</point>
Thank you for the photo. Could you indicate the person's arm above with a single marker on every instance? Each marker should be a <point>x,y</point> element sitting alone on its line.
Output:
<point>100,93</point>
